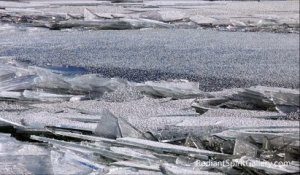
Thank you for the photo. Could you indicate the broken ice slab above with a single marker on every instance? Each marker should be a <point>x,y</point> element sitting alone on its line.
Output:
<point>193,142</point>
<point>35,96</point>
<point>80,148</point>
<point>138,165</point>
<point>108,24</point>
<point>5,75</point>
<point>8,95</point>
<point>77,3</point>
<point>75,160</point>
<point>282,96</point>
<point>175,140</point>
<point>267,22</point>
<point>68,162</point>
<point>83,137</point>
<point>284,130</point>
<point>31,77</point>
<point>154,15</point>
<point>203,105</point>
<point>49,81</point>
<point>172,15</point>
<point>164,147</point>
<point>258,136</point>
<point>266,167</point>
<point>93,83</point>
<point>27,78</point>
<point>85,116</point>
<point>25,164</point>
<point>292,151</point>
<point>115,154</point>
<point>9,65</point>
<point>267,98</point>
<point>254,98</point>
<point>134,152</point>
<point>45,97</point>
<point>20,130</point>
<point>202,20</point>
<point>286,102</point>
<point>236,101</point>
<point>127,1</point>
<point>171,169</point>
<point>218,144</point>
<point>108,127</point>
<point>27,16</point>
<point>18,83</point>
<point>74,16</point>
<point>92,16</point>
<point>176,89</point>
<point>23,158</point>
<point>267,142</point>
<point>78,98</point>
<point>104,124</point>
<point>245,114</point>
<point>112,127</point>
<point>11,146</point>
<point>130,171</point>
<point>4,122</point>
<point>186,161</point>
<point>146,23</point>
<point>104,24</point>
<point>244,148</point>
<point>89,15</point>
<point>57,121</point>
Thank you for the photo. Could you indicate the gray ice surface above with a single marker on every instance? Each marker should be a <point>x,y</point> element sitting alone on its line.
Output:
<point>216,59</point>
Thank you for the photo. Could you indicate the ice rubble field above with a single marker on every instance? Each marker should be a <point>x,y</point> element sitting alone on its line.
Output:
<point>64,120</point>
<point>281,16</point>
<point>61,121</point>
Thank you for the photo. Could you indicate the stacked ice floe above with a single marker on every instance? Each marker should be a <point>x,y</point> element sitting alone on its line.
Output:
<point>85,142</point>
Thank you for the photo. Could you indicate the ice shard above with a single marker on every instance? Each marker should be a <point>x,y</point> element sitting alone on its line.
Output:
<point>263,98</point>
<point>164,147</point>
<point>45,97</point>
<point>18,83</point>
<point>176,89</point>
<point>108,127</point>
<point>23,158</point>
<point>243,148</point>
<point>68,162</point>
<point>112,127</point>
<point>266,167</point>
<point>203,105</point>
<point>10,95</point>
<point>131,171</point>
<point>170,169</point>
<point>89,15</point>
<point>138,165</point>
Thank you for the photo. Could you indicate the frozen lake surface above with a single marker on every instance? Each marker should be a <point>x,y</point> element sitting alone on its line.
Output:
<point>215,59</point>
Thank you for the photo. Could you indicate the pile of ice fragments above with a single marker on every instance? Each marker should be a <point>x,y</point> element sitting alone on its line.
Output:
<point>136,14</point>
<point>254,98</point>
<point>115,146</point>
